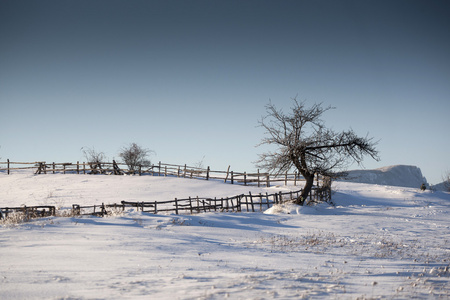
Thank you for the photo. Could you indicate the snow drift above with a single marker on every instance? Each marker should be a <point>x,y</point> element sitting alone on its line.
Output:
<point>398,175</point>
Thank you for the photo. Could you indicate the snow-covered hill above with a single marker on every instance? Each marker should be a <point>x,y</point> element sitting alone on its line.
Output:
<point>398,175</point>
<point>443,186</point>
<point>377,242</point>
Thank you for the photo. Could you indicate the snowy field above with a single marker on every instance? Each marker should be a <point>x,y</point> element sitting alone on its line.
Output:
<point>376,242</point>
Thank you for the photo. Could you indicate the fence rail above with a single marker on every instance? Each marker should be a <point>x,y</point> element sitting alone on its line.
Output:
<point>28,211</point>
<point>160,169</point>
<point>320,192</point>
<point>239,203</point>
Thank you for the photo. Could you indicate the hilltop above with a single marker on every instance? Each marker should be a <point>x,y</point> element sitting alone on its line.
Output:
<point>397,175</point>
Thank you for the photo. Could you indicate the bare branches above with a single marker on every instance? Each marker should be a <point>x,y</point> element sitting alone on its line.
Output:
<point>94,159</point>
<point>135,157</point>
<point>303,133</point>
<point>303,142</point>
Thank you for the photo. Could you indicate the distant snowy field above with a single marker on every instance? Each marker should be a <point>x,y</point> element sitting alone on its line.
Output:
<point>376,242</point>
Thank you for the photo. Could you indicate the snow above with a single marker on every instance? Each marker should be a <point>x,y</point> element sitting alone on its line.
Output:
<point>376,241</point>
<point>398,175</point>
<point>442,186</point>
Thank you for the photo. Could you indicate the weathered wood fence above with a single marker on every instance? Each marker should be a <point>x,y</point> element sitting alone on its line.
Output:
<point>161,169</point>
<point>28,212</point>
<point>239,203</point>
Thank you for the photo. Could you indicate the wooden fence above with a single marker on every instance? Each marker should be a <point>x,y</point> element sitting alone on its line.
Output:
<point>320,192</point>
<point>191,205</point>
<point>238,203</point>
<point>28,211</point>
<point>161,169</point>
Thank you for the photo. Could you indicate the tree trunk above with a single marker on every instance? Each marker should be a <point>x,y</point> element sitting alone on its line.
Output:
<point>306,189</point>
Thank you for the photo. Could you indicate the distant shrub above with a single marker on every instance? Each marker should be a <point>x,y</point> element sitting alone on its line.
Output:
<point>135,157</point>
<point>94,159</point>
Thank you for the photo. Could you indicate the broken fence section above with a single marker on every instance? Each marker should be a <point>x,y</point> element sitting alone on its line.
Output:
<point>28,212</point>
<point>191,205</point>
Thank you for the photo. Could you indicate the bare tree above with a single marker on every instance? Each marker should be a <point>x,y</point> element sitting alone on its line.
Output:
<point>94,159</point>
<point>199,164</point>
<point>306,144</point>
<point>135,157</point>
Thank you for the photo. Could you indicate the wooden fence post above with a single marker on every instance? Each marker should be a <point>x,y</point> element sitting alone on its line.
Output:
<point>226,177</point>
<point>258,179</point>
<point>159,169</point>
<point>285,178</point>
<point>204,205</point>
<point>268,180</point>
<point>53,167</point>
<point>245,178</point>
<point>84,167</point>
<point>252,203</point>
<point>207,173</point>
<point>8,165</point>
<point>156,209</point>
<point>295,178</point>
<point>246,201</point>
<point>78,167</point>
<point>232,178</point>
<point>76,210</point>
<point>260,201</point>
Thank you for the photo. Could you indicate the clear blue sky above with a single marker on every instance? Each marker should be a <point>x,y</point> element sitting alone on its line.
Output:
<point>190,79</point>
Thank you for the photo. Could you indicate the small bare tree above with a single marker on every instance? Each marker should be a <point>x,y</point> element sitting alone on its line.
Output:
<point>305,143</point>
<point>199,164</point>
<point>94,159</point>
<point>135,157</point>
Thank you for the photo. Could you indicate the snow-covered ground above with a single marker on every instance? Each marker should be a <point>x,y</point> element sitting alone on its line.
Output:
<point>376,242</point>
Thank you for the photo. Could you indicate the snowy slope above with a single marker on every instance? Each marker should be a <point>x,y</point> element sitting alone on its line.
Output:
<point>398,175</point>
<point>376,242</point>
<point>443,186</point>
<point>64,190</point>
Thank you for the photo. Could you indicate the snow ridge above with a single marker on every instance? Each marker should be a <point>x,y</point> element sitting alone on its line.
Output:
<point>397,175</point>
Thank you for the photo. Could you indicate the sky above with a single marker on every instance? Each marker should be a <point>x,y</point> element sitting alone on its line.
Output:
<point>190,79</point>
